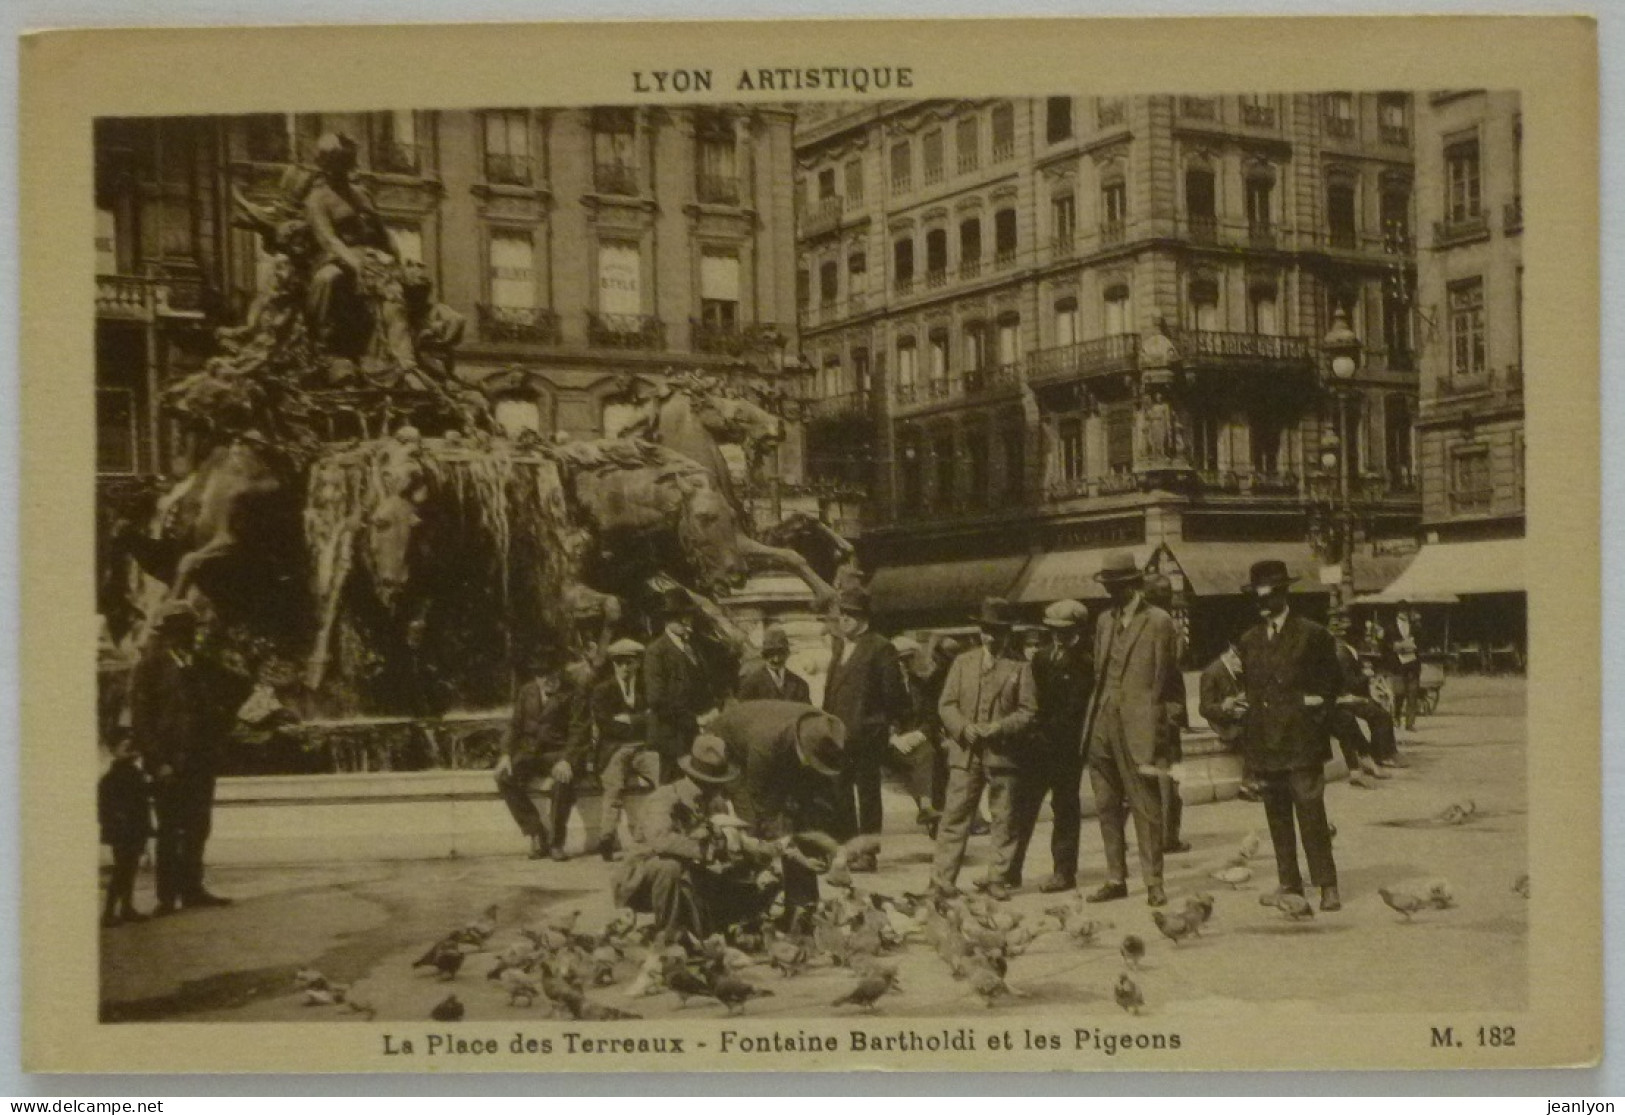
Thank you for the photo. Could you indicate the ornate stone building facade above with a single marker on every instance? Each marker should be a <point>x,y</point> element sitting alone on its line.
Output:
<point>1044,329</point>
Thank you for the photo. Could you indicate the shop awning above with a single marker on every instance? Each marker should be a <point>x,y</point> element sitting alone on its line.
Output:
<point>1444,571</point>
<point>1221,568</point>
<point>1068,575</point>
<point>943,586</point>
<point>1375,572</point>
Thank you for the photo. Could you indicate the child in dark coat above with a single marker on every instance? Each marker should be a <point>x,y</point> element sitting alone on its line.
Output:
<point>123,808</point>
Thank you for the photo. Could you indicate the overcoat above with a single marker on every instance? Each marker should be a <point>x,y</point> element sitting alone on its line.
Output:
<point>865,690</point>
<point>1004,686</point>
<point>1218,683</point>
<point>1063,684</point>
<point>1151,698</point>
<point>776,794</point>
<point>1282,731</point>
<point>677,689</point>
<point>541,728</point>
<point>757,685</point>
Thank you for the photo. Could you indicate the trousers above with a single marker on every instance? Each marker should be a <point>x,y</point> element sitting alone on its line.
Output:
<point>515,792</point>
<point>624,762</point>
<point>1059,777</point>
<point>1117,782</point>
<point>964,794</point>
<point>1300,792</point>
<point>686,896</point>
<point>1408,694</point>
<point>183,806</point>
<point>860,781</point>
<point>121,883</point>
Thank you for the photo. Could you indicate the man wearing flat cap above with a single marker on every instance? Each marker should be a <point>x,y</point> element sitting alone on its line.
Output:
<point>1126,729</point>
<point>988,704</point>
<point>675,682</point>
<point>620,725</point>
<point>1063,677</point>
<point>541,746</point>
<point>772,679</point>
<point>1289,665</point>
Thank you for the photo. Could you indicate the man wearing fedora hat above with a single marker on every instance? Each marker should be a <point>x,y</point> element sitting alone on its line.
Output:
<point>864,689</point>
<point>692,869</point>
<point>1137,698</point>
<point>620,723</point>
<point>675,682</point>
<point>1289,665</point>
<point>541,746</point>
<point>988,704</point>
<point>1062,678</point>
<point>771,679</point>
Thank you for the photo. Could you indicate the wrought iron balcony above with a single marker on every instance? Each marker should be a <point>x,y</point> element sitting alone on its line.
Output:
<point>1201,346</point>
<point>1273,483</point>
<point>997,377</point>
<point>392,157</point>
<point>615,178</point>
<point>1258,116</point>
<point>970,268</point>
<point>1219,482</point>
<point>1203,230</point>
<point>507,170</point>
<point>1100,356</point>
<point>1471,226</point>
<point>847,406</point>
<point>906,394</point>
<point>968,161</point>
<point>720,340</point>
<point>1117,483</point>
<point>1003,152</point>
<point>936,277</point>
<point>1199,108</point>
<point>630,331</point>
<point>1070,487</point>
<point>1340,127</point>
<point>1004,257</point>
<point>1512,215</point>
<point>902,183</point>
<point>718,189</point>
<point>822,216</point>
<point>1397,134</point>
<point>933,175</point>
<point>527,324</point>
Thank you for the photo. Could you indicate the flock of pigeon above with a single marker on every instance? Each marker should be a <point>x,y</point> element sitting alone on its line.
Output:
<point>556,963</point>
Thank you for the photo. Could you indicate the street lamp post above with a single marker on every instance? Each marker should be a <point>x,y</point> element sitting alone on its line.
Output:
<point>1342,349</point>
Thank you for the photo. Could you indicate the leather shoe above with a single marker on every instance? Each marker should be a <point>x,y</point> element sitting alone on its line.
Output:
<point>998,891</point>
<point>1395,762</point>
<point>1177,847</point>
<point>164,909</point>
<point>1155,895</point>
<point>1108,892</point>
<point>203,899</point>
<point>1273,898</point>
<point>1057,883</point>
<point>607,846</point>
<point>1330,902</point>
<point>557,854</point>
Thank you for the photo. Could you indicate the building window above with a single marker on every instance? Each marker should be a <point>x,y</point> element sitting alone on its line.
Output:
<point>1264,433</point>
<point>408,240</point>
<point>620,285</point>
<point>936,256</point>
<point>903,263</point>
<point>1339,108</point>
<point>280,137</point>
<point>1462,201</point>
<point>803,288</point>
<point>1394,206</point>
<point>1063,221</point>
<point>717,154</point>
<point>1467,356</point>
<point>1120,439</point>
<point>902,168</point>
<point>857,272</point>
<point>976,474</point>
<point>942,453</point>
<point>854,181</point>
<point>1119,318</point>
<point>116,437</point>
<point>1199,108</point>
<point>1396,329</point>
<point>507,147</point>
<point>1069,443</point>
<point>937,355</point>
<point>1113,210</point>
<point>1263,314</point>
<point>395,145</point>
<point>1471,488</point>
<point>1397,420</point>
<point>1391,114</point>
<point>1058,119</point>
<point>1009,340</point>
<point>975,350</point>
<point>1004,237</point>
<point>909,472</point>
<point>1109,112</point>
<point>719,293</point>
<point>1204,304</point>
<point>1340,215</point>
<point>1014,441</point>
<point>931,156</point>
<point>1066,321</point>
<point>1004,131</point>
<point>1260,204</point>
<point>614,151</point>
<point>970,247</point>
<point>1206,432</point>
<point>1257,110</point>
<point>1200,204</point>
<point>829,378</point>
<point>513,272</point>
<point>967,143</point>
<point>860,371</point>
<point>908,366</point>
<point>828,278</point>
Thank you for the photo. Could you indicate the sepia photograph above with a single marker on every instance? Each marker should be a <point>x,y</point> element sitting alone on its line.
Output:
<point>773,566</point>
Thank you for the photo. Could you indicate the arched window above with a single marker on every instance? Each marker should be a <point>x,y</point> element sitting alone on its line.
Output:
<point>1119,311</point>
<point>908,367</point>
<point>1066,320</point>
<point>1009,339</point>
<point>1204,303</point>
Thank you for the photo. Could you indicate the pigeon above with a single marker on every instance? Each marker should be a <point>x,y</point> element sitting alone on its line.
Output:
<point>1127,994</point>
<point>324,996</point>
<point>360,1001</point>
<point>604,960</point>
<point>449,1009</point>
<point>787,955</point>
<point>687,984</point>
<point>1201,905</point>
<point>1133,950</point>
<point>1520,885</point>
<point>563,994</point>
<point>308,979</point>
<point>602,1012</point>
<point>444,956</point>
<point>1456,812</point>
<point>734,993</point>
<point>1175,927</point>
<point>648,980</point>
<point>1294,906</point>
<point>1249,847</point>
<point>1441,895</point>
<point>1085,932</point>
<point>990,986</point>
<point>479,930</point>
<point>1403,901</point>
<point>1235,875</point>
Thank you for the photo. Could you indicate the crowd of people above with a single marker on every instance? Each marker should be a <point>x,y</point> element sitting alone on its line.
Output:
<point>751,791</point>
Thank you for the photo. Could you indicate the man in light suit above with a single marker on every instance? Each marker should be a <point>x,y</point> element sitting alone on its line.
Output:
<point>676,686</point>
<point>1137,696</point>
<point>988,704</point>
<point>1290,667</point>
<point>772,679</point>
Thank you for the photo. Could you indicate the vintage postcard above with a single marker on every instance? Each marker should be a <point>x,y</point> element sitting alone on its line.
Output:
<point>1000,545</point>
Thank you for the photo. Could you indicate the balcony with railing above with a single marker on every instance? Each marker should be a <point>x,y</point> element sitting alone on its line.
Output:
<point>1257,115</point>
<point>1254,483</point>
<point>1200,347</point>
<point>1004,151</point>
<point>848,406</point>
<point>615,178</point>
<point>1261,234</point>
<point>970,268</point>
<point>1512,215</point>
<point>1202,229</point>
<point>626,331</point>
<point>903,285</point>
<point>1199,108</point>
<point>507,170</point>
<point>717,189</point>
<point>1004,258</point>
<point>998,377</point>
<point>1345,238</point>
<point>823,215</point>
<point>968,161</point>
<point>524,324</point>
<point>125,297</point>
<point>1340,127</point>
<point>933,175</point>
<point>936,277</point>
<point>1272,483</point>
<point>394,157</point>
<point>1460,230</point>
<point>1100,356</point>
<point>1397,134</point>
<point>717,339</point>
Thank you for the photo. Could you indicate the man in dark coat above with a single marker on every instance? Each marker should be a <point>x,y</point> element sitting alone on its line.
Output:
<point>1292,679</point>
<point>124,812</point>
<point>1159,590</point>
<point>772,679</point>
<point>791,754</point>
<point>1364,758</point>
<point>1135,700</point>
<point>620,729</point>
<point>1222,701</point>
<point>1062,679</point>
<point>181,709</point>
<point>542,745</point>
<point>676,684</point>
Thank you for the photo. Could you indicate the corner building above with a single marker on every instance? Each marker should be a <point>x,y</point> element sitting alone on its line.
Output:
<point>1046,329</point>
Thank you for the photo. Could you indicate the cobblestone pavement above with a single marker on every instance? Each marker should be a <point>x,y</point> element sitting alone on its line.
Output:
<point>368,921</point>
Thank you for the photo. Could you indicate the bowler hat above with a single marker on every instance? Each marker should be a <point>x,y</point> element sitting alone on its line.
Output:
<point>625,648</point>
<point>1266,576</point>
<point>1119,567</point>
<point>820,741</point>
<point>707,761</point>
<point>1065,614</point>
<point>676,601</point>
<point>775,641</point>
<point>994,612</point>
<point>854,601</point>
